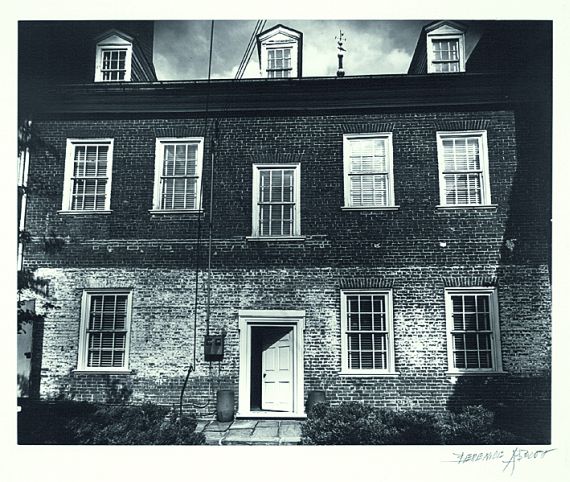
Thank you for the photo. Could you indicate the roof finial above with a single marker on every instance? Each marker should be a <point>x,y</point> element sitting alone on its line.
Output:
<point>340,41</point>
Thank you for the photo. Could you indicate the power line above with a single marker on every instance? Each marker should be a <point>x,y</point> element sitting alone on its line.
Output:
<point>192,367</point>
<point>259,26</point>
<point>243,62</point>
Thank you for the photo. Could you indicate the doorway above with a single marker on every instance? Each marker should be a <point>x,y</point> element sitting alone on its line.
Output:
<point>271,368</point>
<point>271,364</point>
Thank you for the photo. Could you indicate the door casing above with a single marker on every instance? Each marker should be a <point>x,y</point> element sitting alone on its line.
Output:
<point>294,319</point>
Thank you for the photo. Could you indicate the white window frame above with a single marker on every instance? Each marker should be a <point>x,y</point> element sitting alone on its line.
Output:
<point>66,207</point>
<point>292,57</point>
<point>430,55</point>
<point>345,370</point>
<point>484,168</point>
<point>256,192</point>
<point>495,335</point>
<point>84,324</point>
<point>279,38</point>
<point>158,165</point>
<point>346,138</point>
<point>113,42</point>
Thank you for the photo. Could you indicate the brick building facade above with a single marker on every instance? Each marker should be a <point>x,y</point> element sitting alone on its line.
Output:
<point>360,295</point>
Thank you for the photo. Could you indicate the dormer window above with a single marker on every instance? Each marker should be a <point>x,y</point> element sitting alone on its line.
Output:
<point>280,52</point>
<point>114,64</point>
<point>445,55</point>
<point>279,63</point>
<point>113,58</point>
<point>445,48</point>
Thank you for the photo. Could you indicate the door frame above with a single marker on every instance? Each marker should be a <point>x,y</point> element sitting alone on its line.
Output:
<point>286,318</point>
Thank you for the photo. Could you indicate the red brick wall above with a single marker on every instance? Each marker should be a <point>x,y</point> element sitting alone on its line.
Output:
<point>156,255</point>
<point>162,334</point>
<point>408,236</point>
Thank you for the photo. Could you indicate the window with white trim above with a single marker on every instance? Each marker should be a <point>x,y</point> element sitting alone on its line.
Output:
<point>178,171</point>
<point>280,52</point>
<point>113,60</point>
<point>105,324</point>
<point>279,62</point>
<point>276,201</point>
<point>463,168</point>
<point>367,332</point>
<point>368,177</point>
<point>114,64</point>
<point>88,167</point>
<point>445,53</point>
<point>473,330</point>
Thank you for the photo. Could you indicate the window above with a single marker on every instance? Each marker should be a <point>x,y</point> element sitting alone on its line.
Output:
<point>463,167</point>
<point>445,52</point>
<point>445,55</point>
<point>105,322</point>
<point>113,59</point>
<point>276,201</point>
<point>178,170</point>
<point>367,332</point>
<point>368,179</point>
<point>280,52</point>
<point>473,330</point>
<point>279,63</point>
<point>114,64</point>
<point>88,168</point>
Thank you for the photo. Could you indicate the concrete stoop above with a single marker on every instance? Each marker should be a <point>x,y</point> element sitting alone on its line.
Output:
<point>251,432</point>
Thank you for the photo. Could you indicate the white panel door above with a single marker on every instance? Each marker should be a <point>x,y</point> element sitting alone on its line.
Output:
<point>277,370</point>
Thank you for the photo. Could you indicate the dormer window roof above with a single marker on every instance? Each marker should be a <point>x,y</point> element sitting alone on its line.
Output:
<point>440,49</point>
<point>113,57</point>
<point>280,52</point>
<point>445,44</point>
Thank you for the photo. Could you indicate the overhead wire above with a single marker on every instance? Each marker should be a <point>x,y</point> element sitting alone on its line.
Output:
<point>192,367</point>
<point>259,26</point>
<point>243,62</point>
<point>244,56</point>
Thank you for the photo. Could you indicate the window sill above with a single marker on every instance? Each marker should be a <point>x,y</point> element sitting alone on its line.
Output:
<point>275,238</point>
<point>370,208</point>
<point>467,206</point>
<point>101,371</point>
<point>368,374</point>
<point>175,211</point>
<point>68,212</point>
<point>476,373</point>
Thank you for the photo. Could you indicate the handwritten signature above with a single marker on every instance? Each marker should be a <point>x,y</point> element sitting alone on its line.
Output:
<point>510,459</point>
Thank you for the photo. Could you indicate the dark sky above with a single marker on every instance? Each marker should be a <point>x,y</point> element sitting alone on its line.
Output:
<point>373,47</point>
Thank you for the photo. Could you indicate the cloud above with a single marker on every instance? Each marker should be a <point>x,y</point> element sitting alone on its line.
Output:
<point>397,60</point>
<point>373,47</point>
<point>181,49</point>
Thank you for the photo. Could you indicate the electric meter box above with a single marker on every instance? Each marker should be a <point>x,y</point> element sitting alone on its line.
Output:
<point>213,347</point>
